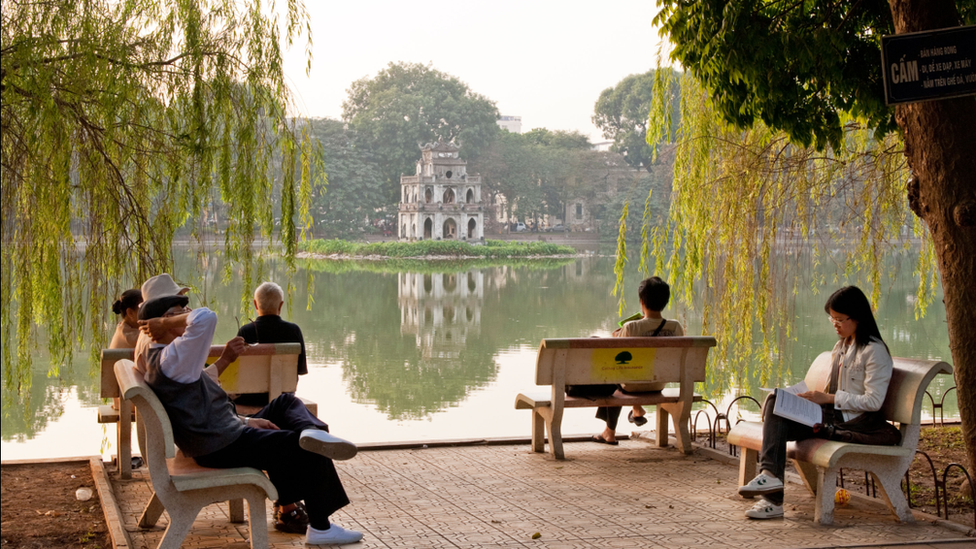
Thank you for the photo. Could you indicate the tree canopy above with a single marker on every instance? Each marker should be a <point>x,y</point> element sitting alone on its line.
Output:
<point>561,139</point>
<point>123,122</point>
<point>621,112</point>
<point>352,189</point>
<point>812,70</point>
<point>408,104</point>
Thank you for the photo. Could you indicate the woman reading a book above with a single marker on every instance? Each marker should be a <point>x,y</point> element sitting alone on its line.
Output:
<point>851,400</point>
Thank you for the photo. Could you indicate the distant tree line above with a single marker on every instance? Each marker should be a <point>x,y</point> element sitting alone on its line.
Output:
<point>387,117</point>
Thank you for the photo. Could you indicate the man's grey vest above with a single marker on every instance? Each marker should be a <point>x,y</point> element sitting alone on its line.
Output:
<point>204,419</point>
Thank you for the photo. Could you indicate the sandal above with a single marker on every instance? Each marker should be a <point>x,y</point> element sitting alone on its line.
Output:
<point>292,522</point>
<point>639,421</point>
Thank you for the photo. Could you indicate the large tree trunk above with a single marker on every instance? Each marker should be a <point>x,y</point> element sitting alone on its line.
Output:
<point>940,143</point>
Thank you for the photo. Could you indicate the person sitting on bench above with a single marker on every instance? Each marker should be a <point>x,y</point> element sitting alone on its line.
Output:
<point>861,368</point>
<point>654,294</point>
<point>283,439</point>
<point>269,327</point>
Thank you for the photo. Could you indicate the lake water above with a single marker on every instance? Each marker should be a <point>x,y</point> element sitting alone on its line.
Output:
<point>415,351</point>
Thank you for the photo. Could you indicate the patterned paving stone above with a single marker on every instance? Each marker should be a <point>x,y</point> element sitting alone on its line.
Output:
<point>633,495</point>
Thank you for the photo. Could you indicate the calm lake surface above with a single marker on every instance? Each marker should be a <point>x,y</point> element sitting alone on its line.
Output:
<point>419,351</point>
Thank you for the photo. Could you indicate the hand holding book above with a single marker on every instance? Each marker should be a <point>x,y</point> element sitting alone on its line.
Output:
<point>800,404</point>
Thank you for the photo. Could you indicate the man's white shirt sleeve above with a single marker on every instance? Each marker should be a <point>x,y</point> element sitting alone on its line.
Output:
<point>183,360</point>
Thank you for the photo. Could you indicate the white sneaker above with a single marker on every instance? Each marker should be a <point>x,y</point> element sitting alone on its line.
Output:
<point>335,535</point>
<point>762,484</point>
<point>765,509</point>
<point>330,446</point>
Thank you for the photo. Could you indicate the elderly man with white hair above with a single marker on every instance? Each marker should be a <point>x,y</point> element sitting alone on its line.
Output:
<point>270,328</point>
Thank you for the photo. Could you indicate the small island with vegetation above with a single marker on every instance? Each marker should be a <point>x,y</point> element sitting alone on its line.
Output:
<point>431,249</point>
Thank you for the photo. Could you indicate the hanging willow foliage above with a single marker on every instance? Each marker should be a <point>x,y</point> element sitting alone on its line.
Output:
<point>750,211</point>
<point>123,123</point>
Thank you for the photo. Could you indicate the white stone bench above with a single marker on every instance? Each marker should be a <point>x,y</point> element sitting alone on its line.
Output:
<point>818,461</point>
<point>182,487</point>
<point>592,361</point>
<point>264,368</point>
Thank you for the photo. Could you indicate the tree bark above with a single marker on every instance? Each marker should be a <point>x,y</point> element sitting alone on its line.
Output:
<point>940,145</point>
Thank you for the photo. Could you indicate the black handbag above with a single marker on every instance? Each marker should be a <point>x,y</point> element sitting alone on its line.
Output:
<point>867,428</point>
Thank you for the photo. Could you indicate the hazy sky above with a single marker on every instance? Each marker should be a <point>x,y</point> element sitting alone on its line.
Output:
<point>542,60</point>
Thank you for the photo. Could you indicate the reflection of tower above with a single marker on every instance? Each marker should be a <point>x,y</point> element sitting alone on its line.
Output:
<point>578,270</point>
<point>442,201</point>
<point>440,309</point>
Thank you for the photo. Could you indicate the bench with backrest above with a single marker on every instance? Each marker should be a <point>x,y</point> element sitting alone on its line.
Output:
<point>818,461</point>
<point>590,361</point>
<point>265,368</point>
<point>182,487</point>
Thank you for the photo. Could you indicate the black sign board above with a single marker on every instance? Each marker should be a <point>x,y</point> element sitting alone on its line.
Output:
<point>922,66</point>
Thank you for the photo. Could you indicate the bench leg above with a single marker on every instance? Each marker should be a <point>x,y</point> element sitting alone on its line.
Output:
<point>680,413</point>
<point>555,438</point>
<point>236,511</point>
<point>810,475</point>
<point>151,513</point>
<point>662,428</point>
<point>823,511</point>
<point>538,432</point>
<point>258,520</point>
<point>124,442</point>
<point>180,522</point>
<point>748,459</point>
<point>890,486</point>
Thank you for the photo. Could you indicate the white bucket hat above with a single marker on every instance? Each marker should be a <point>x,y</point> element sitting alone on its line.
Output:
<point>161,286</point>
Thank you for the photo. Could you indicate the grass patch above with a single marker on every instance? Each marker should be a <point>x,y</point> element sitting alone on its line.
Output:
<point>427,266</point>
<point>455,248</point>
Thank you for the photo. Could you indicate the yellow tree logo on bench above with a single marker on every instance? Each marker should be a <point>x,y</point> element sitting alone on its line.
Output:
<point>615,366</point>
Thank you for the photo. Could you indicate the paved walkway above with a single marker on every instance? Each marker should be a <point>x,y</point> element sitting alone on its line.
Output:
<point>632,495</point>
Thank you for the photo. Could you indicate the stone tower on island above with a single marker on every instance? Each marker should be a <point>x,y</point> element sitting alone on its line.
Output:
<point>442,201</point>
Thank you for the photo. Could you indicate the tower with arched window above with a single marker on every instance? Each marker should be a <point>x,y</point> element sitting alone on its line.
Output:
<point>442,201</point>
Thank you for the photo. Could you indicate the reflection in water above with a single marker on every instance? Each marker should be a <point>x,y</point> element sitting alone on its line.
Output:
<point>438,350</point>
<point>449,337</point>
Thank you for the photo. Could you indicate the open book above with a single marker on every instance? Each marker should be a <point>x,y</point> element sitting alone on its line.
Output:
<point>798,409</point>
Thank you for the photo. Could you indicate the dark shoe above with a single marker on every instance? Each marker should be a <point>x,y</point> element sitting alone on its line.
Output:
<point>639,421</point>
<point>601,440</point>
<point>292,522</point>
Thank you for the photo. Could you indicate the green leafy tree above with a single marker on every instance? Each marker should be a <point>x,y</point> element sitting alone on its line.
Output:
<point>407,105</point>
<point>622,112</point>
<point>353,196</point>
<point>532,170</point>
<point>560,139</point>
<point>122,122</point>
<point>812,69</point>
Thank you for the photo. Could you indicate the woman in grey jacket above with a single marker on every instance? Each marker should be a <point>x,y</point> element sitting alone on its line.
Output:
<point>860,371</point>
